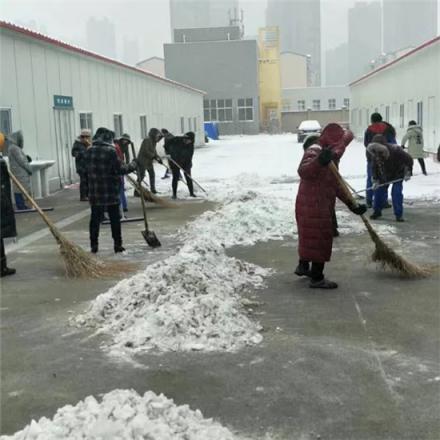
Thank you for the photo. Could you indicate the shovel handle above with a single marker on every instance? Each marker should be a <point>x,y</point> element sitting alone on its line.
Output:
<point>186,174</point>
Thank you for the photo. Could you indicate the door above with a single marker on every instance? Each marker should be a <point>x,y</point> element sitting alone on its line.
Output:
<point>64,138</point>
<point>430,126</point>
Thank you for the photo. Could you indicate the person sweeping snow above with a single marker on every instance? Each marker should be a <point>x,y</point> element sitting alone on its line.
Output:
<point>315,202</point>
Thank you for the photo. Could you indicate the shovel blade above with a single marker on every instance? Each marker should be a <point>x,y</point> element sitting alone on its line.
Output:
<point>151,239</point>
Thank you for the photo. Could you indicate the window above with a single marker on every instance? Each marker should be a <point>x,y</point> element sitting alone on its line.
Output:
<point>420,113</point>
<point>182,124</point>
<point>332,104</point>
<point>245,109</point>
<point>144,128</point>
<point>316,104</point>
<point>387,113</point>
<point>117,122</point>
<point>347,102</point>
<point>301,105</point>
<point>86,121</point>
<point>5,121</point>
<point>402,116</point>
<point>218,110</point>
<point>195,125</point>
<point>189,124</point>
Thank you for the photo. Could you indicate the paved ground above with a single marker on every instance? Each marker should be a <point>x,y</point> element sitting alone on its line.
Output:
<point>361,362</point>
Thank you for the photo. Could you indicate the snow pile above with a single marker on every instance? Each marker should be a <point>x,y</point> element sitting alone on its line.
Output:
<point>189,301</point>
<point>125,415</point>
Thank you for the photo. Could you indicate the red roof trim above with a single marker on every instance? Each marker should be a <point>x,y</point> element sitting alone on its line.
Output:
<point>58,43</point>
<point>385,66</point>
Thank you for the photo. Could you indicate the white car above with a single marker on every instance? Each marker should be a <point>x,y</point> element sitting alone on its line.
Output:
<point>306,128</point>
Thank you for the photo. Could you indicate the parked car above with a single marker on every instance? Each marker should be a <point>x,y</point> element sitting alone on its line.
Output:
<point>306,128</point>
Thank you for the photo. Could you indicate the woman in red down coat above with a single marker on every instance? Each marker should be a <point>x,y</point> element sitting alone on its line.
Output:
<point>315,203</point>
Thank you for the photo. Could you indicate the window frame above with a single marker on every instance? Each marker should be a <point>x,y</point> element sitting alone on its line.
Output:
<point>332,104</point>
<point>245,107</point>
<point>88,118</point>
<point>301,105</point>
<point>420,113</point>
<point>347,103</point>
<point>143,121</point>
<point>8,111</point>
<point>316,105</point>
<point>182,124</point>
<point>120,127</point>
<point>214,108</point>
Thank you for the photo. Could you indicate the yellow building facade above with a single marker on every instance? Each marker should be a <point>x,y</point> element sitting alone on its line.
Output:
<point>269,78</point>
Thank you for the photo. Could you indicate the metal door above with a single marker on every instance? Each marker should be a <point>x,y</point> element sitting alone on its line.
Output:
<point>430,126</point>
<point>64,141</point>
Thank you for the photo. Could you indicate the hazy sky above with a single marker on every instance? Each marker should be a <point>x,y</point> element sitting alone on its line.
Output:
<point>147,20</point>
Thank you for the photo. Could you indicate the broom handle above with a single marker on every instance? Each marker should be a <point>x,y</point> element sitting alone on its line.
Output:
<point>342,184</point>
<point>186,174</point>
<point>31,201</point>
<point>139,188</point>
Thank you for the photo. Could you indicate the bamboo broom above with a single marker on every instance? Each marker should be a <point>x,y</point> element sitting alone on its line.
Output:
<point>77,262</point>
<point>383,254</point>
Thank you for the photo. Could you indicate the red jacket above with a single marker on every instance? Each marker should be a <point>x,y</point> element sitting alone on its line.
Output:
<point>315,202</point>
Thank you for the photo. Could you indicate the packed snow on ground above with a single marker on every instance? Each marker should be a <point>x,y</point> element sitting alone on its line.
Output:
<point>125,415</point>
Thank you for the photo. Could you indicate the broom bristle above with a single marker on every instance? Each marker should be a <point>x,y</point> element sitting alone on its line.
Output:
<point>388,258</point>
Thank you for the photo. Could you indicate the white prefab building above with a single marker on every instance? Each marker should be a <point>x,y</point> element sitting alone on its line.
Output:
<point>51,90</point>
<point>407,88</point>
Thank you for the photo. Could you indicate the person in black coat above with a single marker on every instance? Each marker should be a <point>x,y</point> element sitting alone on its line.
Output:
<point>181,152</point>
<point>80,146</point>
<point>104,171</point>
<point>8,228</point>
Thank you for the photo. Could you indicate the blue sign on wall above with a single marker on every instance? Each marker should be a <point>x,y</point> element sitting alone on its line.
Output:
<point>60,101</point>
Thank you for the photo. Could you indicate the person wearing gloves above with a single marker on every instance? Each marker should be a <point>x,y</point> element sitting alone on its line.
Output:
<point>414,137</point>
<point>122,146</point>
<point>20,168</point>
<point>104,171</point>
<point>8,228</point>
<point>315,202</point>
<point>167,136</point>
<point>147,154</point>
<point>78,152</point>
<point>181,152</point>
<point>389,163</point>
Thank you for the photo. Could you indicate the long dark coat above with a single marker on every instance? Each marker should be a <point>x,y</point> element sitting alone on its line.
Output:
<point>7,210</point>
<point>104,171</point>
<point>79,150</point>
<point>315,202</point>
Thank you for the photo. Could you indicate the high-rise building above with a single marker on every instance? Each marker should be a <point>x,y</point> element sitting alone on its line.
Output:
<point>185,14</point>
<point>408,23</point>
<point>336,66</point>
<point>300,29</point>
<point>364,37</point>
<point>101,36</point>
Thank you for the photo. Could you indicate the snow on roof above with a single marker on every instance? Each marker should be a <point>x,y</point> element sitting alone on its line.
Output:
<point>61,44</point>
<point>406,55</point>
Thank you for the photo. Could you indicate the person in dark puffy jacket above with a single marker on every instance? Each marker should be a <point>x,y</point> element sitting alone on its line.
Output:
<point>79,153</point>
<point>389,163</point>
<point>315,202</point>
<point>377,126</point>
<point>104,171</point>
<point>8,228</point>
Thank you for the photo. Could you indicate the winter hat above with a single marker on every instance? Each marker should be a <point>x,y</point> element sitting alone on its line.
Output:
<point>331,135</point>
<point>190,135</point>
<point>379,151</point>
<point>310,140</point>
<point>86,132</point>
<point>104,135</point>
<point>16,138</point>
<point>379,139</point>
<point>126,137</point>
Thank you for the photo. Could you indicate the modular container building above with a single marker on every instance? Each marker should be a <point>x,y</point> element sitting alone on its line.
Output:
<point>51,90</point>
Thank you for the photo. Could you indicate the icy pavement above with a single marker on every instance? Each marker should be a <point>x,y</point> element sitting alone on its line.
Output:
<point>125,415</point>
<point>191,300</point>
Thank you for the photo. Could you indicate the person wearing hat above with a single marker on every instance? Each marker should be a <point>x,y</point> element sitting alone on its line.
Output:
<point>181,151</point>
<point>104,170</point>
<point>123,151</point>
<point>315,202</point>
<point>19,164</point>
<point>147,154</point>
<point>80,146</point>
<point>8,228</point>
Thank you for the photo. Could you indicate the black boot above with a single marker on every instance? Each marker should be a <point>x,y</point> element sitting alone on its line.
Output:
<point>94,248</point>
<point>7,271</point>
<point>303,269</point>
<point>118,248</point>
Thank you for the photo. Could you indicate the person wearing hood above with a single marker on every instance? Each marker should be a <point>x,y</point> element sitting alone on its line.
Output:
<point>147,154</point>
<point>181,151</point>
<point>20,168</point>
<point>414,137</point>
<point>123,152</point>
<point>389,163</point>
<point>8,228</point>
<point>80,146</point>
<point>167,136</point>
<point>315,203</point>
<point>104,171</point>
